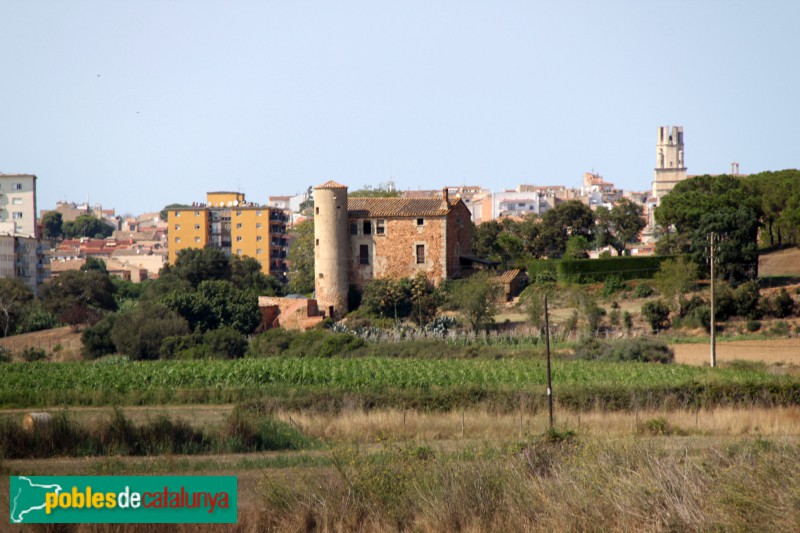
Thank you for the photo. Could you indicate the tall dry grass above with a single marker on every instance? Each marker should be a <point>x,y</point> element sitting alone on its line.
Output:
<point>586,485</point>
<point>390,424</point>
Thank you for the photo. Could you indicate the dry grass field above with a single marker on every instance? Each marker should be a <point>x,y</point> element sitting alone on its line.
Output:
<point>784,351</point>
<point>780,263</point>
<point>63,343</point>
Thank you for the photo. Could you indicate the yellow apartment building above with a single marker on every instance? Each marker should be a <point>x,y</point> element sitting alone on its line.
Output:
<point>227,221</point>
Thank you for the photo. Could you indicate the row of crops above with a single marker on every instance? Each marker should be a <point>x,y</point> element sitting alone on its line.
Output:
<point>355,374</point>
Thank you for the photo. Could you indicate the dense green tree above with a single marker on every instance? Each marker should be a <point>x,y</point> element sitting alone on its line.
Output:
<point>216,303</point>
<point>621,225</point>
<point>85,290</point>
<point>719,205</point>
<point>87,226</point>
<point>97,340</point>
<point>15,297</point>
<point>52,226</point>
<point>387,298</point>
<point>196,265</point>
<point>675,278</point>
<point>568,219</point>
<point>93,263</point>
<point>577,248</point>
<point>140,332</point>
<point>484,239</point>
<point>246,274</point>
<point>301,258</point>
<point>476,298</point>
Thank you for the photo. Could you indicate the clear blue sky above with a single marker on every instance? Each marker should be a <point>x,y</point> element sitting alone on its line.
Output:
<point>142,103</point>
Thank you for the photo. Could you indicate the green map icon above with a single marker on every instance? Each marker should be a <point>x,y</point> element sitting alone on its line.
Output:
<point>28,498</point>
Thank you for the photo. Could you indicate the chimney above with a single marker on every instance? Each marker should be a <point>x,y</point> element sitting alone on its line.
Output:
<point>446,195</point>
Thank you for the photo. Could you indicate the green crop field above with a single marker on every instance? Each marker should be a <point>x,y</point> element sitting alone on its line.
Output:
<point>77,383</point>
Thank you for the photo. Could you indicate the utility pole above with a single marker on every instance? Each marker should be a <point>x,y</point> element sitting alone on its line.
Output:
<point>713,329</point>
<point>547,344</point>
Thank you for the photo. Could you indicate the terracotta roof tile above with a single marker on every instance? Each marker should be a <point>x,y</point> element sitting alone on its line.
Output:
<point>397,207</point>
<point>331,185</point>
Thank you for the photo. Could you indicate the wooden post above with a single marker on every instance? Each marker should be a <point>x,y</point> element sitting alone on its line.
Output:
<point>547,344</point>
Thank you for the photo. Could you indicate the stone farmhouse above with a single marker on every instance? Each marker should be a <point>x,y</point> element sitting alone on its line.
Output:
<point>360,239</point>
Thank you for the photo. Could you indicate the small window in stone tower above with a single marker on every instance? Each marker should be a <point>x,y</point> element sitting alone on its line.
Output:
<point>420,222</point>
<point>317,243</point>
<point>354,228</point>
<point>363,254</point>
<point>380,227</point>
<point>316,210</point>
<point>367,227</point>
<point>420,254</point>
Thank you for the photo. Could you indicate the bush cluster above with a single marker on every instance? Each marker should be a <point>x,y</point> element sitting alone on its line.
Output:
<point>640,349</point>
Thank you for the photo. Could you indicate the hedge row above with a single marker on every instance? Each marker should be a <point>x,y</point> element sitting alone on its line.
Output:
<point>598,270</point>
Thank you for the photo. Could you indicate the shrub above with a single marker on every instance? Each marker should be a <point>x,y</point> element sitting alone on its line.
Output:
<point>139,333</point>
<point>747,297</point>
<point>656,314</point>
<point>314,343</point>
<point>5,355</point>
<point>752,325</point>
<point>779,328</point>
<point>782,305</point>
<point>31,354</point>
<point>97,340</point>
<point>638,349</point>
<point>225,343</point>
<point>173,345</point>
<point>627,321</point>
<point>613,285</point>
<point>643,290</point>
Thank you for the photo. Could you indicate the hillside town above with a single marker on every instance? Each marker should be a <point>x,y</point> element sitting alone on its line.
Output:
<point>136,248</point>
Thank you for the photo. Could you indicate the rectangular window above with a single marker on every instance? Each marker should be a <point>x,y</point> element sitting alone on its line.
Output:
<point>177,239</point>
<point>238,251</point>
<point>197,239</point>
<point>177,213</point>
<point>316,210</point>
<point>380,227</point>
<point>238,238</point>
<point>258,251</point>
<point>353,228</point>
<point>420,222</point>
<point>238,213</point>
<point>363,254</point>
<point>197,213</point>
<point>17,201</point>
<point>258,237</point>
<point>317,242</point>
<point>17,214</point>
<point>177,226</point>
<point>258,213</point>
<point>420,254</point>
<point>367,227</point>
<point>239,225</point>
<point>197,226</point>
<point>258,224</point>
<point>18,186</point>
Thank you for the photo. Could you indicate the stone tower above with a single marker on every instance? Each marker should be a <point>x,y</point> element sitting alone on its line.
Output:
<point>331,248</point>
<point>670,164</point>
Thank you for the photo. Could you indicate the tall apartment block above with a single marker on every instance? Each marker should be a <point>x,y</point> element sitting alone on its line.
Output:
<point>21,255</point>
<point>227,221</point>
